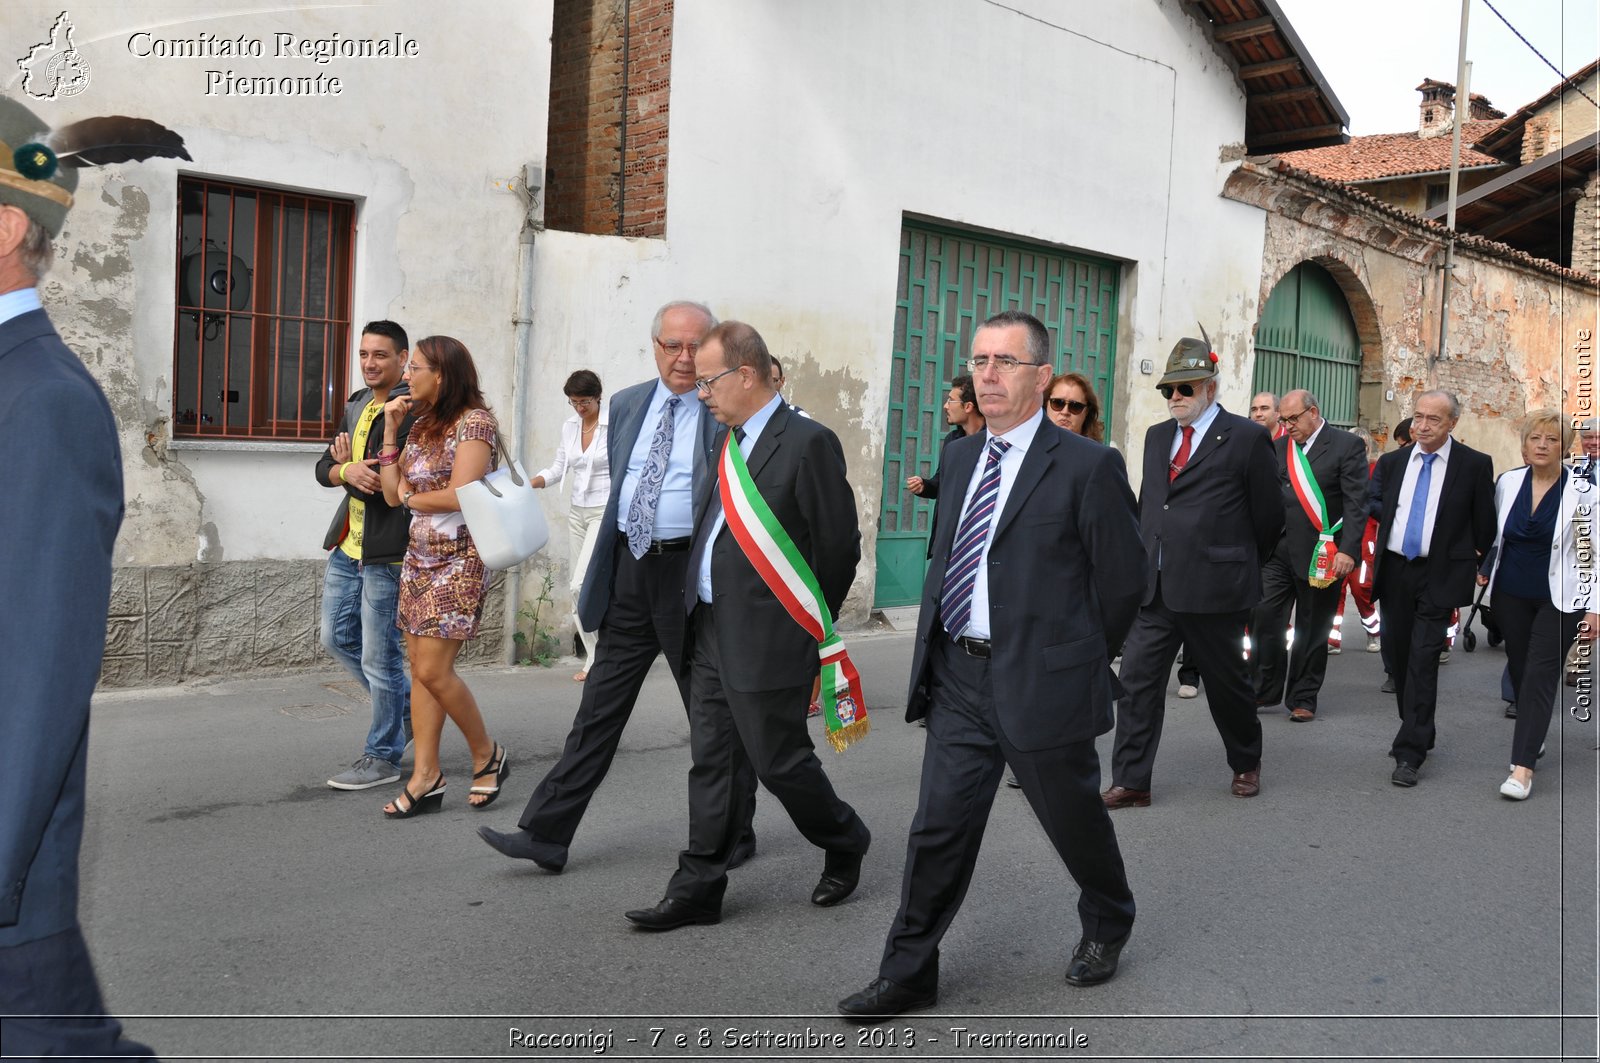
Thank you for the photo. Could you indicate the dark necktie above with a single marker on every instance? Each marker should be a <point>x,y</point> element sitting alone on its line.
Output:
<point>1181,458</point>
<point>961,573</point>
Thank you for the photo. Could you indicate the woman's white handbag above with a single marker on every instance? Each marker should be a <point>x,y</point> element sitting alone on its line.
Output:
<point>503,514</point>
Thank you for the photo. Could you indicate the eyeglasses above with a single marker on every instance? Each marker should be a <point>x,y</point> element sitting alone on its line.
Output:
<point>677,347</point>
<point>1186,390</point>
<point>583,403</point>
<point>1068,404</point>
<point>704,384</point>
<point>1002,363</point>
<point>413,367</point>
<point>1289,420</point>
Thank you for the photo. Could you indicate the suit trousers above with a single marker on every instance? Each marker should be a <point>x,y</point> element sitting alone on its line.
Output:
<point>1214,642</point>
<point>52,1003</point>
<point>1414,632</point>
<point>1537,637</point>
<point>645,618</point>
<point>735,738</point>
<point>962,761</point>
<point>1299,669</point>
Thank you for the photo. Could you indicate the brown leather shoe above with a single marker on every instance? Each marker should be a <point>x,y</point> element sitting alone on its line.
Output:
<point>1122,797</point>
<point>1247,783</point>
<point>1302,715</point>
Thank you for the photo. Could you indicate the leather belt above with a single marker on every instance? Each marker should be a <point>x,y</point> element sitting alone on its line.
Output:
<point>668,546</point>
<point>979,648</point>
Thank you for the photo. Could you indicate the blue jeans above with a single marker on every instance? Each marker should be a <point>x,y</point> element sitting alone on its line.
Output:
<point>358,628</point>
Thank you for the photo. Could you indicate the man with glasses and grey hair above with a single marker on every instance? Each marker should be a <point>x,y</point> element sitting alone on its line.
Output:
<point>1434,501</point>
<point>659,448</point>
<point>1210,511</point>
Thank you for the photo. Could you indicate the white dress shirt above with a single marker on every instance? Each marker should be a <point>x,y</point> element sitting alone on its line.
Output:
<point>752,432</point>
<point>590,469</point>
<point>1021,438</point>
<point>1408,490</point>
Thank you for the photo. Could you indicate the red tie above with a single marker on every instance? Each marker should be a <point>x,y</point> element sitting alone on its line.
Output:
<point>1181,458</point>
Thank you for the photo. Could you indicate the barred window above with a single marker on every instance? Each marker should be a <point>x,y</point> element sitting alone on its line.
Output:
<point>263,312</point>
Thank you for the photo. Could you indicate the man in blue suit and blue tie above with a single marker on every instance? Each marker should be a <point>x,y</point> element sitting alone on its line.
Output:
<point>63,488</point>
<point>660,447</point>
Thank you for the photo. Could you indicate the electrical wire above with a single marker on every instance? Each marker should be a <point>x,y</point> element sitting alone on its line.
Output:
<point>1536,51</point>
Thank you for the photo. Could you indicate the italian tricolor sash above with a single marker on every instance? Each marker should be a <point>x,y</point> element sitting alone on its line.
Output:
<point>1309,493</point>
<point>790,579</point>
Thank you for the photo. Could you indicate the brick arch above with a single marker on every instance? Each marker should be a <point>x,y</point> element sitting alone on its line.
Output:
<point>1346,269</point>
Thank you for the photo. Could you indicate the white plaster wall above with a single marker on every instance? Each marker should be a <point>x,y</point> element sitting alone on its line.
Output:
<point>425,145</point>
<point>802,133</point>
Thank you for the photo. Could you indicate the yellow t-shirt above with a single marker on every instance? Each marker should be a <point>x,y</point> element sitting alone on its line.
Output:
<point>358,509</point>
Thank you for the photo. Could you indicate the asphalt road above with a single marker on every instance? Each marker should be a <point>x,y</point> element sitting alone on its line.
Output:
<point>237,907</point>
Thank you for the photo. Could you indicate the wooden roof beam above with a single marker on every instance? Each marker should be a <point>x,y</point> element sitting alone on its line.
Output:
<point>1255,27</point>
<point>1268,68</point>
<point>1294,136</point>
<point>1537,209</point>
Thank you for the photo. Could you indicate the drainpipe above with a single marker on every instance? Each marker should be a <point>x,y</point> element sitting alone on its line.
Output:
<point>1463,111</point>
<point>532,182</point>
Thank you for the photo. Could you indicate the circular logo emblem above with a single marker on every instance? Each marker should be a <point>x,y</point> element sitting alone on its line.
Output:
<point>67,74</point>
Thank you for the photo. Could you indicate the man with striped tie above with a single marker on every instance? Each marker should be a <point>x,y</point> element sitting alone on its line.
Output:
<point>1033,584</point>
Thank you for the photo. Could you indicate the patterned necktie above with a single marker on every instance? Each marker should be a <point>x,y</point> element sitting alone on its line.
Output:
<point>1181,458</point>
<point>1411,545</point>
<point>961,573</point>
<point>642,510</point>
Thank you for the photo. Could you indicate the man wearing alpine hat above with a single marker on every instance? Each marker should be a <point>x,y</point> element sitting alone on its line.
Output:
<point>1210,512</point>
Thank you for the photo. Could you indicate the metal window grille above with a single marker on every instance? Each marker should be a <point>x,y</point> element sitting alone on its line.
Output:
<point>262,330</point>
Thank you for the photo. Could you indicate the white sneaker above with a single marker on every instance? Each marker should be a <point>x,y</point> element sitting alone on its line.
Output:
<point>1372,644</point>
<point>1334,651</point>
<point>1187,691</point>
<point>1514,790</point>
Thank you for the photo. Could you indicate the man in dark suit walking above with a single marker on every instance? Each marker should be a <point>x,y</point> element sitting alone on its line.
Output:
<point>1035,579</point>
<point>659,448</point>
<point>1210,512</point>
<point>1436,518</point>
<point>1323,471</point>
<point>63,488</point>
<point>751,663</point>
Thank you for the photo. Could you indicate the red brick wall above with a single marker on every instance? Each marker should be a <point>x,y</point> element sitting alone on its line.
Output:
<point>584,149</point>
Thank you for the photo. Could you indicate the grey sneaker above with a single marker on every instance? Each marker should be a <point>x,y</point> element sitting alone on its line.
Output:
<point>365,774</point>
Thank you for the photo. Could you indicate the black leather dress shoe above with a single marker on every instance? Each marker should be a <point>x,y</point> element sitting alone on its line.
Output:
<point>1404,774</point>
<point>1094,962</point>
<point>670,914</point>
<point>520,845</point>
<point>883,1000</point>
<point>1388,684</point>
<point>841,873</point>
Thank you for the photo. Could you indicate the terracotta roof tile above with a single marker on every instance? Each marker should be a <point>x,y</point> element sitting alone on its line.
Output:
<point>1381,155</point>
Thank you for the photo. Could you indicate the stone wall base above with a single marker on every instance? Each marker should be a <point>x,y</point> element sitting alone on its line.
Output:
<point>239,619</point>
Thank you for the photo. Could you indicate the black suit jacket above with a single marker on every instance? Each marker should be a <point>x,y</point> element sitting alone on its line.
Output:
<point>626,421</point>
<point>1065,579</point>
<point>62,481</point>
<point>1339,462</point>
<point>1463,528</point>
<point>1213,527</point>
<point>798,467</point>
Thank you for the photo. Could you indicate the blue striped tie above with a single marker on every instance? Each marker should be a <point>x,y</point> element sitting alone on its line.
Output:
<point>961,574</point>
<point>1417,515</point>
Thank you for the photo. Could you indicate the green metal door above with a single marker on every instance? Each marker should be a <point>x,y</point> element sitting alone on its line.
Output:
<point>1306,338</point>
<point>950,281</point>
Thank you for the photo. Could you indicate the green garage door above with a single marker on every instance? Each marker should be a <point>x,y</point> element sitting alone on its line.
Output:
<point>950,281</point>
<point>1306,338</point>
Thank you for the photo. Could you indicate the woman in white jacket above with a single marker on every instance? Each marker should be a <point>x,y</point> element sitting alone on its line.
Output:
<point>581,457</point>
<point>1541,585</point>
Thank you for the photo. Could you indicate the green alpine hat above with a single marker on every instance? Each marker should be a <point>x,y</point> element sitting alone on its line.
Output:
<point>1191,360</point>
<point>31,178</point>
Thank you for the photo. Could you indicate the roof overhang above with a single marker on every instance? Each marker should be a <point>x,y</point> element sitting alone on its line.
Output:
<point>1524,207</point>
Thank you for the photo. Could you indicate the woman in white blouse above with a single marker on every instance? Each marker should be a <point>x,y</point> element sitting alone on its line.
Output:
<point>582,456</point>
<point>1541,585</point>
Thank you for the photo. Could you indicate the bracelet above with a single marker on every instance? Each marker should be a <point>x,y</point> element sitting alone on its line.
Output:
<point>390,457</point>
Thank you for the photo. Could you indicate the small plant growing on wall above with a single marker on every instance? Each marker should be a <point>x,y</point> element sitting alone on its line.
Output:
<point>535,638</point>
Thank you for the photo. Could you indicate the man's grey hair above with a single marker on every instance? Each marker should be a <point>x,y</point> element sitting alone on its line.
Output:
<point>1038,336</point>
<point>36,250</point>
<point>1447,396</point>
<point>681,304</point>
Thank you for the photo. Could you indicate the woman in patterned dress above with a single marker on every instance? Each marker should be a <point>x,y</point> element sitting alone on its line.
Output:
<point>443,579</point>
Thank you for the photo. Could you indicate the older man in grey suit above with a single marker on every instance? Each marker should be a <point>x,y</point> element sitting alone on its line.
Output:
<point>660,447</point>
<point>63,488</point>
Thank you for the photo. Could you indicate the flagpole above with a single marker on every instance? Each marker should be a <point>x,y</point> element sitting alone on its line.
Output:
<point>1463,111</point>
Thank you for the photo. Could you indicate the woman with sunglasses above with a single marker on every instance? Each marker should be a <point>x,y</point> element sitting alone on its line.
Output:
<point>442,581</point>
<point>582,452</point>
<point>1071,403</point>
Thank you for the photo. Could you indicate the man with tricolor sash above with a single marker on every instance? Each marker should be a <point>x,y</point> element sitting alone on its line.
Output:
<point>1323,470</point>
<point>769,567</point>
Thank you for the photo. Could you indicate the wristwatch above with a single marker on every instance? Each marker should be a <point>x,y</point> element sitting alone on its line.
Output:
<point>405,499</point>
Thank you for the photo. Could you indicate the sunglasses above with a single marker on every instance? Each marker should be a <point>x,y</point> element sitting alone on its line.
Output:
<point>1068,404</point>
<point>1186,390</point>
